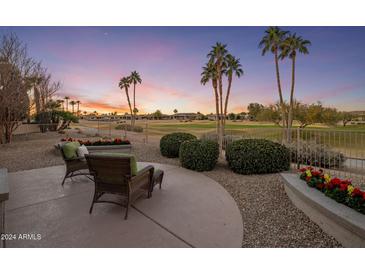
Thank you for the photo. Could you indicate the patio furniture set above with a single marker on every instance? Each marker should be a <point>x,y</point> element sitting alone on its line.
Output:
<point>112,173</point>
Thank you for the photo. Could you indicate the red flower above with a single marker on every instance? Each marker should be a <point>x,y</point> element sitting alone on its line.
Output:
<point>316,173</point>
<point>357,192</point>
<point>336,181</point>
<point>303,169</point>
<point>308,179</point>
<point>343,187</point>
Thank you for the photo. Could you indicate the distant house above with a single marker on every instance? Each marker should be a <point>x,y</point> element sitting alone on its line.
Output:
<point>212,117</point>
<point>184,116</point>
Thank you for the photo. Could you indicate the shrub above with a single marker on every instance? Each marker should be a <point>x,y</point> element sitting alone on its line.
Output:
<point>128,127</point>
<point>257,156</point>
<point>170,143</point>
<point>320,155</point>
<point>199,155</point>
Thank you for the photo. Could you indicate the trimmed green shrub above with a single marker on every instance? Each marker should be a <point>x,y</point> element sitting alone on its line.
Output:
<point>170,143</point>
<point>199,155</point>
<point>257,156</point>
<point>128,127</point>
<point>319,155</point>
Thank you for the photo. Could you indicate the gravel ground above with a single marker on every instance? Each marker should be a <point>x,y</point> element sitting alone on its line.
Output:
<point>269,217</point>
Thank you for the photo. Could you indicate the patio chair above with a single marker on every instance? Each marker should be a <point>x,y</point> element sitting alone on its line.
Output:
<point>75,166</point>
<point>117,174</point>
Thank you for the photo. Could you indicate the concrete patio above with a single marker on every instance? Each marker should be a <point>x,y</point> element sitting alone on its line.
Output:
<point>191,210</point>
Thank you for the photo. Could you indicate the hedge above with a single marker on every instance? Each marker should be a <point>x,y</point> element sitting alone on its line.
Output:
<point>199,155</point>
<point>257,156</point>
<point>170,143</point>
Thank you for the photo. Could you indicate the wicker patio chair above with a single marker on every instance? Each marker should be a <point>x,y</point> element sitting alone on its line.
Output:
<point>74,167</point>
<point>113,175</point>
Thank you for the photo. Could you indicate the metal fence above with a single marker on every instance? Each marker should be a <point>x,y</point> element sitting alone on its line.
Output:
<point>341,153</point>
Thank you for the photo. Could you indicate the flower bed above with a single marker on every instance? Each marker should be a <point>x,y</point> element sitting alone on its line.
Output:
<point>340,190</point>
<point>116,141</point>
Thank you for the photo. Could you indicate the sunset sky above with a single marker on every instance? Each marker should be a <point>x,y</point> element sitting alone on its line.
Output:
<point>89,61</point>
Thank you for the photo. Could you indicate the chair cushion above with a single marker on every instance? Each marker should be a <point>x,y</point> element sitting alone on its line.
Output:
<point>70,150</point>
<point>81,151</point>
<point>134,169</point>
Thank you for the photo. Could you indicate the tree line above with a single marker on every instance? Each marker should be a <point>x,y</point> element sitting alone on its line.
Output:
<point>304,114</point>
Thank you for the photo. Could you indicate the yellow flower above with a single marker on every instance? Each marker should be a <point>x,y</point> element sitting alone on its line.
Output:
<point>327,178</point>
<point>350,189</point>
<point>308,173</point>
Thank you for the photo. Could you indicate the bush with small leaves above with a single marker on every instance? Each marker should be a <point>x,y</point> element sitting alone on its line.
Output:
<point>170,143</point>
<point>199,155</point>
<point>257,156</point>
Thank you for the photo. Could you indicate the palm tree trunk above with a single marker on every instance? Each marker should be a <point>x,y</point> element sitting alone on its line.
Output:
<point>216,106</point>
<point>66,104</point>
<point>37,99</point>
<point>290,115</point>
<point>227,97</point>
<point>130,106</point>
<point>283,116</point>
<point>134,104</point>
<point>221,126</point>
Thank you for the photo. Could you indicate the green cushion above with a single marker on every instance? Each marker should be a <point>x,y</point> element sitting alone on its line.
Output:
<point>70,149</point>
<point>134,169</point>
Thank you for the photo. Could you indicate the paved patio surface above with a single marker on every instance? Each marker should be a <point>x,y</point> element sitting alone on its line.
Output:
<point>191,210</point>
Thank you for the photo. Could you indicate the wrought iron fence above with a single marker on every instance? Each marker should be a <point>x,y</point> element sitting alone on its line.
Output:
<point>341,153</point>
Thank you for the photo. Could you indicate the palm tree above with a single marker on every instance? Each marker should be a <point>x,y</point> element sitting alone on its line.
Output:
<point>233,68</point>
<point>272,42</point>
<point>66,99</point>
<point>78,106</point>
<point>135,79</point>
<point>73,103</point>
<point>210,74</point>
<point>124,83</point>
<point>135,111</point>
<point>175,111</point>
<point>289,48</point>
<point>61,102</point>
<point>217,55</point>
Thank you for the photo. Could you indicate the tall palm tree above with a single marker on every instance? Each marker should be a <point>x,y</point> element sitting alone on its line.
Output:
<point>272,42</point>
<point>292,45</point>
<point>60,103</point>
<point>210,74</point>
<point>233,68</point>
<point>73,103</point>
<point>125,83</point>
<point>78,106</point>
<point>135,79</point>
<point>66,99</point>
<point>217,55</point>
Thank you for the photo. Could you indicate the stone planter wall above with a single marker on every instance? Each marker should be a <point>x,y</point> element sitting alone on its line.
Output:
<point>345,224</point>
